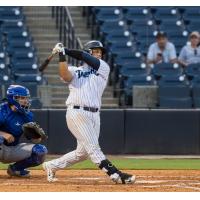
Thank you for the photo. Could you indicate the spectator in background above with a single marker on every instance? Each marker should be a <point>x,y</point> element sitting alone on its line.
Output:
<point>161,51</point>
<point>190,53</point>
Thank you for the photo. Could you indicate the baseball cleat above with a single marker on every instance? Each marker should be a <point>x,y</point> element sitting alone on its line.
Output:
<point>127,178</point>
<point>123,178</point>
<point>14,173</point>
<point>50,173</point>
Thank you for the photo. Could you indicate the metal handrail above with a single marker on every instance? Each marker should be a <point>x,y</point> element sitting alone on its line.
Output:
<point>66,28</point>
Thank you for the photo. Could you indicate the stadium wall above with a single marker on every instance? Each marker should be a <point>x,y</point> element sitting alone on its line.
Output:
<point>130,131</point>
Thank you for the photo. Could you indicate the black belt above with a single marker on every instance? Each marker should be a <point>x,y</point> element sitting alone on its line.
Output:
<point>86,108</point>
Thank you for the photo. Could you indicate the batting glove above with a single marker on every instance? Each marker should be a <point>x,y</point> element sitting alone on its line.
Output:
<point>59,47</point>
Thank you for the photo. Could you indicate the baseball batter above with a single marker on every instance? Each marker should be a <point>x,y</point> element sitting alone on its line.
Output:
<point>86,84</point>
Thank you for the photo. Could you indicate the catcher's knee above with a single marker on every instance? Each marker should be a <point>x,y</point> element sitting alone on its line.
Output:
<point>39,152</point>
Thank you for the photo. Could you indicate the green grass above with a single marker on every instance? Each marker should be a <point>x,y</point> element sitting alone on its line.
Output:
<point>130,163</point>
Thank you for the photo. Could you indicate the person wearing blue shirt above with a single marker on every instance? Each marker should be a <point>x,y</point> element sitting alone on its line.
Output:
<point>14,112</point>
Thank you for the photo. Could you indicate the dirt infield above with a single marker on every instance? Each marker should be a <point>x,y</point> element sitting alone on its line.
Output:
<point>96,181</point>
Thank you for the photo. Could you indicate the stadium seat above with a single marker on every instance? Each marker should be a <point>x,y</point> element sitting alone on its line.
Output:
<point>135,13</point>
<point>4,79</point>
<point>196,95</point>
<point>127,85</point>
<point>125,57</point>
<point>166,13</point>
<point>195,81</point>
<point>31,78</point>
<point>174,97</point>
<point>11,14</point>
<point>133,70</point>
<point>166,69</point>
<point>13,26</point>
<point>108,14</point>
<point>192,70</point>
<point>172,80</point>
<point>117,48</point>
<point>191,13</point>
<point>24,68</point>
<point>24,57</point>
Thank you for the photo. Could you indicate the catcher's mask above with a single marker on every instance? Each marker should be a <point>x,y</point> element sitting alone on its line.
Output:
<point>94,44</point>
<point>19,96</point>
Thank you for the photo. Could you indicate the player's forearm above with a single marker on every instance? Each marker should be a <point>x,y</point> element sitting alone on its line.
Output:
<point>84,56</point>
<point>64,73</point>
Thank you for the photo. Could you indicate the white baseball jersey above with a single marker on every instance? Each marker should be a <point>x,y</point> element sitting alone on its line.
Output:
<point>87,85</point>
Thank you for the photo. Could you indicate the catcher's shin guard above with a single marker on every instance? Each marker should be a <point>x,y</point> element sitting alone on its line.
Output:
<point>37,157</point>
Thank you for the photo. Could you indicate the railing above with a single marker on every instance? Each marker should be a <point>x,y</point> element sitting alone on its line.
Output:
<point>66,30</point>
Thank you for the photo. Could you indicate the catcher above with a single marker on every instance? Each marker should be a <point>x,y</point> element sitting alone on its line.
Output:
<point>16,120</point>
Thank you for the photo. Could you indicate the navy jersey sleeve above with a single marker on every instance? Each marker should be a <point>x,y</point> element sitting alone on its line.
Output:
<point>2,120</point>
<point>30,117</point>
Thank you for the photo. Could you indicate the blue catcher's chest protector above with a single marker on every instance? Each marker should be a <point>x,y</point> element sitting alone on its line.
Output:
<point>11,122</point>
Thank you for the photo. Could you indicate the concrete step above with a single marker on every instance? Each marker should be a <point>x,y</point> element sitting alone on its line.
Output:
<point>39,37</point>
<point>40,30</point>
<point>28,9</point>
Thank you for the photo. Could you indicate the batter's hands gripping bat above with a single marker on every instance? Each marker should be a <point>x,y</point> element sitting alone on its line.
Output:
<point>44,65</point>
<point>58,48</point>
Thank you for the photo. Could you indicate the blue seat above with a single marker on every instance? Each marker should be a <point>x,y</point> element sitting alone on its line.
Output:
<point>11,14</point>
<point>193,25</point>
<point>192,70</point>
<point>111,14</point>
<point>13,26</point>
<point>11,50</point>
<point>24,68</point>
<point>119,38</point>
<point>4,69</point>
<point>4,78</point>
<point>127,85</point>
<point>132,14</point>
<point>106,9</point>
<point>172,80</point>
<point>134,69</point>
<point>191,13</point>
<point>166,69</point>
<point>109,26</point>
<point>31,78</point>
<point>195,81</point>
<point>166,14</point>
<point>196,95</point>
<point>125,57</point>
<point>116,50</point>
<point>24,57</point>
<point>174,96</point>
<point>165,25</point>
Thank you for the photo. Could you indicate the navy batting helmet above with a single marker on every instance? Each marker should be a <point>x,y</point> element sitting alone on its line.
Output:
<point>94,44</point>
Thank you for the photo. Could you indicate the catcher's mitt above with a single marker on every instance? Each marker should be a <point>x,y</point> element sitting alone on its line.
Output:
<point>32,130</point>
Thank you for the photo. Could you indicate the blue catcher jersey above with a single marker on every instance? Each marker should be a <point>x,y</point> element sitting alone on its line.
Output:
<point>11,122</point>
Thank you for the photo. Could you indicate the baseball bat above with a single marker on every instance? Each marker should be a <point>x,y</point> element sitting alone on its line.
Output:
<point>44,65</point>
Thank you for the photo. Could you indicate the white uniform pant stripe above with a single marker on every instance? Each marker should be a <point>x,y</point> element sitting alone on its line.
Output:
<point>81,124</point>
<point>85,126</point>
<point>70,158</point>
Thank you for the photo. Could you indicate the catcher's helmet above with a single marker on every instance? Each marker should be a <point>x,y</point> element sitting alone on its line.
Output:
<point>94,44</point>
<point>15,91</point>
